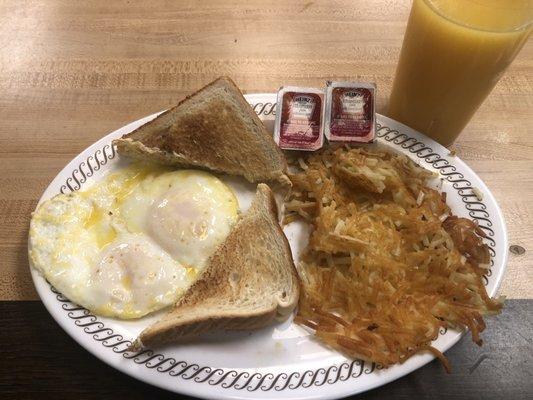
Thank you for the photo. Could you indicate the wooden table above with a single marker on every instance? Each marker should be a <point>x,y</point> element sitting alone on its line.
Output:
<point>70,72</point>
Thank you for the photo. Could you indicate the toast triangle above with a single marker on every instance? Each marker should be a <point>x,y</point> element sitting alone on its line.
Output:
<point>215,129</point>
<point>250,281</point>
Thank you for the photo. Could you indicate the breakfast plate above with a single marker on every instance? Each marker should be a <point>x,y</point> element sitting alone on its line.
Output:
<point>282,361</point>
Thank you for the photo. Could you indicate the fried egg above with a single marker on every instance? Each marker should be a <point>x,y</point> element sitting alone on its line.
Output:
<point>134,242</point>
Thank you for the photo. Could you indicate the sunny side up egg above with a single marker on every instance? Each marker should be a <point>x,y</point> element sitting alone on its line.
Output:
<point>134,242</point>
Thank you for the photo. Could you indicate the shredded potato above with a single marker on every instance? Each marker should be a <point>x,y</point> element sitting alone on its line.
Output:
<point>387,264</point>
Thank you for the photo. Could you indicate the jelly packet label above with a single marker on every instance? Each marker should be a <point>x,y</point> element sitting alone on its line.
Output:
<point>300,119</point>
<point>351,112</point>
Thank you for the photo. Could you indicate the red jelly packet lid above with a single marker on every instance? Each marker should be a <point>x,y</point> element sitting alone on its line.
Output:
<point>350,111</point>
<point>299,118</point>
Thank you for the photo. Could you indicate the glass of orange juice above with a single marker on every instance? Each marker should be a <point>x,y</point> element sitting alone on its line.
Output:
<point>453,53</point>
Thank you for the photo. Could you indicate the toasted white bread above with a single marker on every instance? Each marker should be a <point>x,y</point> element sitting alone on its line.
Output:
<point>249,281</point>
<point>214,128</point>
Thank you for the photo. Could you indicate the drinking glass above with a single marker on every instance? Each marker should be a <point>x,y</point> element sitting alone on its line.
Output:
<point>453,54</point>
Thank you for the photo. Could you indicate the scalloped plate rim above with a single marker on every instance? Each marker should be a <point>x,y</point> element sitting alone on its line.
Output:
<point>347,387</point>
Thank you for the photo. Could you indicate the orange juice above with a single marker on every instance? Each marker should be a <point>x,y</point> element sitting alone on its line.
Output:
<point>454,52</point>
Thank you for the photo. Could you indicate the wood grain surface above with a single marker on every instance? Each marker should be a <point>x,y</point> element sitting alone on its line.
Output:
<point>70,72</point>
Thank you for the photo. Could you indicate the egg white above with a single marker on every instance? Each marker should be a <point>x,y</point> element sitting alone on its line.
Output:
<point>134,242</point>
<point>188,213</point>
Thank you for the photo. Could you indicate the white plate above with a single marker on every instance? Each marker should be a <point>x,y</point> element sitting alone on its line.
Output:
<point>280,361</point>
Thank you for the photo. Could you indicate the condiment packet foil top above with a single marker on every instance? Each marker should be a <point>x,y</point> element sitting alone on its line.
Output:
<point>350,112</point>
<point>299,118</point>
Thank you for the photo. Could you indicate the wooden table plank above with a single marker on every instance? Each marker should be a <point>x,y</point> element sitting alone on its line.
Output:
<point>70,72</point>
<point>87,69</point>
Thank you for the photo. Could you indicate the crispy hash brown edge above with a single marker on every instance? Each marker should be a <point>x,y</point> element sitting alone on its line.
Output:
<point>337,188</point>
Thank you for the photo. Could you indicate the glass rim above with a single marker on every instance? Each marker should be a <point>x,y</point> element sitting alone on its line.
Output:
<point>432,6</point>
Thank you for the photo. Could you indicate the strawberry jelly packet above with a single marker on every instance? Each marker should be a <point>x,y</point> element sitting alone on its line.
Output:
<point>299,118</point>
<point>350,112</point>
